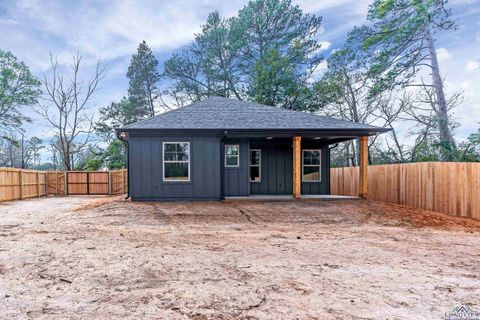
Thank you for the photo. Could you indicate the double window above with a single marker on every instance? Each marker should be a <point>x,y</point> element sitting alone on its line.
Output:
<point>255,165</point>
<point>311,165</point>
<point>232,155</point>
<point>176,161</point>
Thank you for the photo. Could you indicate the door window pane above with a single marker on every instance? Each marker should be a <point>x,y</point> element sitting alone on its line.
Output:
<point>255,165</point>
<point>232,161</point>
<point>232,155</point>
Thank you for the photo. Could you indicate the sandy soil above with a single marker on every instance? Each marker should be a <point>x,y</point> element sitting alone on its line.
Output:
<point>84,257</point>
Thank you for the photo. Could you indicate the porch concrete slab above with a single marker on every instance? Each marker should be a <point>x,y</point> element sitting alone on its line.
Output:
<point>276,197</point>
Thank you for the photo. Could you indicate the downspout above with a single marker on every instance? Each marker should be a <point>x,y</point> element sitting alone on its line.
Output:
<point>125,143</point>
<point>222,166</point>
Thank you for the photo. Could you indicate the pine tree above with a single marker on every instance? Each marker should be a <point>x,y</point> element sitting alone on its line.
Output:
<point>143,77</point>
<point>400,40</point>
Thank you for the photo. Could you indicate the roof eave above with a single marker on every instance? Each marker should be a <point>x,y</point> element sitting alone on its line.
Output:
<point>347,132</point>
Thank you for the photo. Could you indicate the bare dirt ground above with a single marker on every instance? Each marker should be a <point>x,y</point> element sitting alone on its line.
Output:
<point>84,257</point>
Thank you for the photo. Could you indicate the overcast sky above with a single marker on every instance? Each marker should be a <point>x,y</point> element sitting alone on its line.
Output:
<point>111,30</point>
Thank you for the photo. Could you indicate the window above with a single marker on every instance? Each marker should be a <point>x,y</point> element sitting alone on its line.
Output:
<point>311,165</point>
<point>255,165</point>
<point>176,161</point>
<point>232,155</point>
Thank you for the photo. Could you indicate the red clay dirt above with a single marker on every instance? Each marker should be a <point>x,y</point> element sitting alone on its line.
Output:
<point>93,257</point>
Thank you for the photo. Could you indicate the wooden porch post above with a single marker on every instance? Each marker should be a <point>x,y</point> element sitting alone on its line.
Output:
<point>297,143</point>
<point>363,183</point>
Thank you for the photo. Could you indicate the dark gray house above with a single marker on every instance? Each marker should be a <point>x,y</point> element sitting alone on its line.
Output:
<point>221,148</point>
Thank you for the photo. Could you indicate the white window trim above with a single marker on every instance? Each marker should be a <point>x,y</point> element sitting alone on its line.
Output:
<point>259,165</point>
<point>312,165</point>
<point>238,156</point>
<point>176,161</point>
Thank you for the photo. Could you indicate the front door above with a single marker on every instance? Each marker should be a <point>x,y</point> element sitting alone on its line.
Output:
<point>275,168</point>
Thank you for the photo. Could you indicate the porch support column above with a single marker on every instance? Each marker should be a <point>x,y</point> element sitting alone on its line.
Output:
<point>363,183</point>
<point>297,167</point>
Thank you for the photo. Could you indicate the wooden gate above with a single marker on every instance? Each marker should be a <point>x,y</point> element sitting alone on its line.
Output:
<point>86,182</point>
<point>61,183</point>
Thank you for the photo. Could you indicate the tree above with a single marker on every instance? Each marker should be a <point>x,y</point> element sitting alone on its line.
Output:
<point>276,27</point>
<point>209,66</point>
<point>18,88</point>
<point>113,116</point>
<point>10,151</point>
<point>89,159</point>
<point>422,109</point>
<point>400,40</point>
<point>65,108</point>
<point>32,152</point>
<point>143,77</point>
<point>115,157</point>
<point>269,53</point>
<point>471,148</point>
<point>344,92</point>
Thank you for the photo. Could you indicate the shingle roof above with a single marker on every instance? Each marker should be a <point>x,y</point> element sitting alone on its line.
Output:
<point>228,114</point>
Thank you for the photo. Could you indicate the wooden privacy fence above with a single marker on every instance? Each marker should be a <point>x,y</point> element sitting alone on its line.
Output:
<point>18,184</point>
<point>21,184</point>
<point>448,187</point>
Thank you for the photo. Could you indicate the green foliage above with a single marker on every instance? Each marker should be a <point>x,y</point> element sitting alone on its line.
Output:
<point>267,53</point>
<point>18,88</point>
<point>394,37</point>
<point>208,66</point>
<point>116,115</point>
<point>93,165</point>
<point>143,78</point>
<point>115,156</point>
<point>431,149</point>
<point>112,116</point>
<point>273,79</point>
<point>90,159</point>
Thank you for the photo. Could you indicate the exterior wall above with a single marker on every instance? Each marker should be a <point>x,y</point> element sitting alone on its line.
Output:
<point>236,180</point>
<point>146,169</point>
<point>206,163</point>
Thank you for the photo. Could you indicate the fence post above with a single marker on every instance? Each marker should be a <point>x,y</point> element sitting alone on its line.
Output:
<point>21,183</point>
<point>56,183</point>
<point>88,183</point>
<point>38,184</point>
<point>65,183</point>
<point>109,183</point>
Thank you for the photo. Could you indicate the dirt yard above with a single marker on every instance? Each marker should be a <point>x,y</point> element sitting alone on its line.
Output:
<point>84,257</point>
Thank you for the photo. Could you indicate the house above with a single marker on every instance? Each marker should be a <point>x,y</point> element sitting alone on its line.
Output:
<point>219,148</point>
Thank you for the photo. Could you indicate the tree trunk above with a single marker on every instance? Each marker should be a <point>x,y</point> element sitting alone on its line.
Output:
<point>446,138</point>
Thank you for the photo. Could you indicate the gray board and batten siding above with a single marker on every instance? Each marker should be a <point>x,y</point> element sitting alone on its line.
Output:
<point>146,168</point>
<point>206,156</point>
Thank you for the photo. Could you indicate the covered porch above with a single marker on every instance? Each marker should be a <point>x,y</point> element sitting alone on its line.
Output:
<point>284,165</point>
